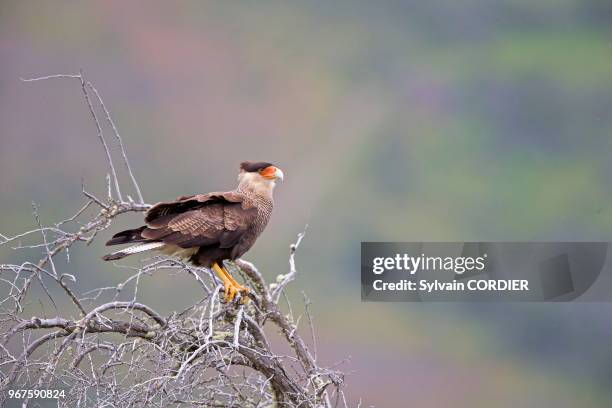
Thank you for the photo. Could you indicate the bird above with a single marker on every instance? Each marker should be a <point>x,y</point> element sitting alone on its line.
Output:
<point>207,229</point>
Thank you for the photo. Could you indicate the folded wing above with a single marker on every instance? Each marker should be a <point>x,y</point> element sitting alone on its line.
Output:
<point>215,219</point>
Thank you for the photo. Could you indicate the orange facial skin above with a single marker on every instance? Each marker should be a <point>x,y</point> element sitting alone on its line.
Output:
<point>269,172</point>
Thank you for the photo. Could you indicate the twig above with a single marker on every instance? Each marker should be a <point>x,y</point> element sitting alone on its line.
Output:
<point>277,289</point>
<point>150,359</point>
<point>101,136</point>
<point>118,136</point>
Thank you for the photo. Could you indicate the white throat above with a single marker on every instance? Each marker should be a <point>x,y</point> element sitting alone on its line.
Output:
<point>255,184</point>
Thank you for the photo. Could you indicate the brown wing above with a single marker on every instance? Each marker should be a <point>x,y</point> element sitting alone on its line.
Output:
<point>209,219</point>
<point>186,203</point>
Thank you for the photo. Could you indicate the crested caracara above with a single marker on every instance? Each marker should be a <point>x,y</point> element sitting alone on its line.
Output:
<point>206,229</point>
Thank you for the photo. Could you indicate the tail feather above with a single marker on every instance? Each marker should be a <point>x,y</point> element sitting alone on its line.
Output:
<point>127,236</point>
<point>132,250</point>
<point>114,256</point>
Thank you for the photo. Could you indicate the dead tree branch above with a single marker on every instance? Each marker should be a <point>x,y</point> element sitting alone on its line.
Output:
<point>124,353</point>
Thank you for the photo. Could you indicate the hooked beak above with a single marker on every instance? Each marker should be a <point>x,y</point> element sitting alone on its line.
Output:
<point>278,174</point>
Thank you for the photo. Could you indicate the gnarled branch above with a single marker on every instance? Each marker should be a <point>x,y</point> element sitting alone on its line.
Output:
<point>211,354</point>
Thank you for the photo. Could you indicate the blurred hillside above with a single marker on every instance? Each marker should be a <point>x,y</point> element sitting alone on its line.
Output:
<point>393,121</point>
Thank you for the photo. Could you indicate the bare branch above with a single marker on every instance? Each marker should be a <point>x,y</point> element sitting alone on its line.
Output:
<point>120,353</point>
<point>118,136</point>
<point>284,280</point>
<point>101,136</point>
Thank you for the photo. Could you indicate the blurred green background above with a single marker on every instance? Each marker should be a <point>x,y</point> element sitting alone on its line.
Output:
<point>393,121</point>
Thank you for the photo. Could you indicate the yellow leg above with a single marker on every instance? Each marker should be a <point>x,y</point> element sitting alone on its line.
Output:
<point>231,287</point>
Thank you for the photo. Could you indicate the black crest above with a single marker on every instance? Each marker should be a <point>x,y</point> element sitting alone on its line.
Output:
<point>254,166</point>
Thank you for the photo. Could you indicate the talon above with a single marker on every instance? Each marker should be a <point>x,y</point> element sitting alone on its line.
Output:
<point>234,289</point>
<point>231,287</point>
<point>231,293</point>
<point>244,296</point>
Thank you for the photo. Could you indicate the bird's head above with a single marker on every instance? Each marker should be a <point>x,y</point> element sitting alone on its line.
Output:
<point>259,177</point>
